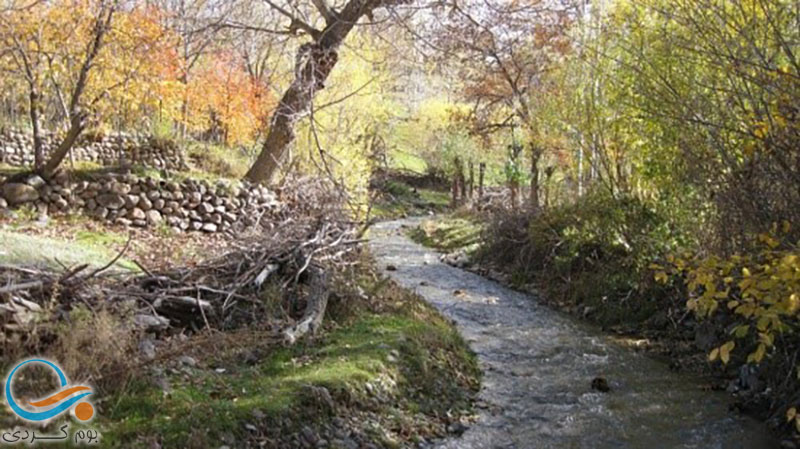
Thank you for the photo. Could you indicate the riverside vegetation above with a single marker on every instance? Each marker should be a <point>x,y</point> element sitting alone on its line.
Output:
<point>186,188</point>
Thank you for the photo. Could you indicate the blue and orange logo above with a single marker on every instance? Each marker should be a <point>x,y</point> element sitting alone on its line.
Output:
<point>60,401</point>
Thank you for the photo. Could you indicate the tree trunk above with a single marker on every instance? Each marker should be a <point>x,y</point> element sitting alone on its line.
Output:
<point>38,145</point>
<point>471,180</point>
<point>77,125</point>
<point>481,173</point>
<point>513,187</point>
<point>315,307</point>
<point>536,155</point>
<point>314,63</point>
<point>454,191</point>
<point>77,117</point>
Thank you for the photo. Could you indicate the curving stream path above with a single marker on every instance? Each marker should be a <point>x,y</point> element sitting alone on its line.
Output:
<point>538,365</point>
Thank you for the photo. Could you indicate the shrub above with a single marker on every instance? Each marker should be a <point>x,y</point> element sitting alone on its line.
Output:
<point>754,301</point>
<point>594,252</point>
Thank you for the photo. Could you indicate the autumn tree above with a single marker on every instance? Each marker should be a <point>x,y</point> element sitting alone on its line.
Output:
<point>502,50</point>
<point>41,37</point>
<point>327,27</point>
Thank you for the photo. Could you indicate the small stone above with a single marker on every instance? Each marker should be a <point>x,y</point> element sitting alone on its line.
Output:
<point>148,349</point>
<point>35,181</point>
<point>101,212</point>
<point>151,323</point>
<point>205,208</point>
<point>119,188</point>
<point>144,203</point>
<point>187,360</point>
<point>122,221</point>
<point>137,214</point>
<point>600,384</point>
<point>3,203</point>
<point>131,201</point>
<point>153,217</point>
<point>457,428</point>
<point>209,227</point>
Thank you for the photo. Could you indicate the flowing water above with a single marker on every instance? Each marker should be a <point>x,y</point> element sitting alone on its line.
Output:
<point>538,366</point>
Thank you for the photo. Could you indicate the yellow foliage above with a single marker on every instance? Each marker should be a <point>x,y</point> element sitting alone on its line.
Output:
<point>762,290</point>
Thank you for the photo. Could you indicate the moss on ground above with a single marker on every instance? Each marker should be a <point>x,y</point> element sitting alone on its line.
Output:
<point>90,247</point>
<point>399,199</point>
<point>448,233</point>
<point>405,161</point>
<point>391,358</point>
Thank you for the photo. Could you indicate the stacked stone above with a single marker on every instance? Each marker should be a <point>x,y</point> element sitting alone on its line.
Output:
<point>128,200</point>
<point>16,149</point>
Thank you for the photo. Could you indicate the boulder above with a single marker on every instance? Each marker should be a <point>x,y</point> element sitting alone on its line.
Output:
<point>18,193</point>
<point>111,200</point>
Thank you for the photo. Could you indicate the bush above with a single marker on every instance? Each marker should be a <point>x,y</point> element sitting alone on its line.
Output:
<point>594,252</point>
<point>753,301</point>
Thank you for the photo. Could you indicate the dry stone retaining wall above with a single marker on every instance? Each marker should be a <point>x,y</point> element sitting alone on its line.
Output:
<point>129,200</point>
<point>16,149</point>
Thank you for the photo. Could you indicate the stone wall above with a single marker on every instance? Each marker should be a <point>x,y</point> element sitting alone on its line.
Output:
<point>16,149</point>
<point>129,200</point>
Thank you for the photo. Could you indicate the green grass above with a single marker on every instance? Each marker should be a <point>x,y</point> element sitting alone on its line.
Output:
<point>402,160</point>
<point>277,390</point>
<point>20,249</point>
<point>217,160</point>
<point>448,233</point>
<point>400,199</point>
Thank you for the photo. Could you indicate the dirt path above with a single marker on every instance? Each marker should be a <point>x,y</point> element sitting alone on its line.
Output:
<point>538,366</point>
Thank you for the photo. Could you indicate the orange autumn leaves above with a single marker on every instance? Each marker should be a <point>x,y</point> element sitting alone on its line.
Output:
<point>223,98</point>
<point>139,79</point>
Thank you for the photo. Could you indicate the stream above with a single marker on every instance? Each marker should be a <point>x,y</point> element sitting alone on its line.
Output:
<point>538,366</point>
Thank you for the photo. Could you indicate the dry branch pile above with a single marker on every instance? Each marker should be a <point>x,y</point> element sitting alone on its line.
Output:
<point>291,254</point>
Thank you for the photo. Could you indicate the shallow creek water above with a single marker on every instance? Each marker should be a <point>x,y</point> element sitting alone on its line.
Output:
<point>538,365</point>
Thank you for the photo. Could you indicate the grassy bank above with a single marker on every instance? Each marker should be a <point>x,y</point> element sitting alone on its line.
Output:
<point>395,195</point>
<point>448,233</point>
<point>387,370</point>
